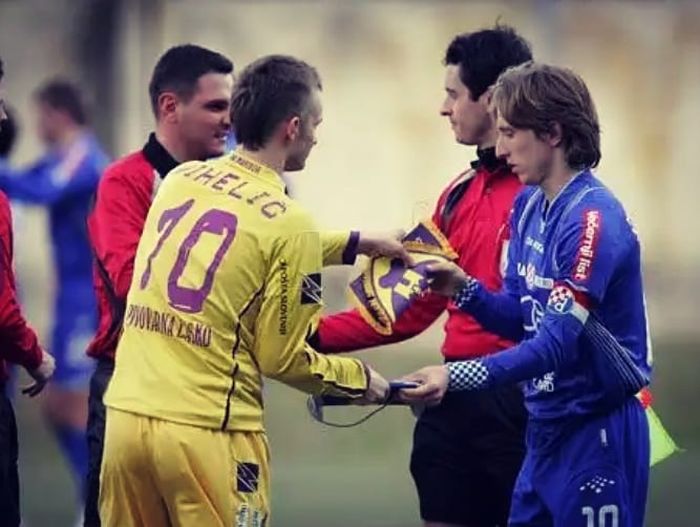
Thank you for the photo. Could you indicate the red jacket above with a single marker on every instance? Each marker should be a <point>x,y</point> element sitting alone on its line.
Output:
<point>115,224</point>
<point>18,342</point>
<point>473,213</point>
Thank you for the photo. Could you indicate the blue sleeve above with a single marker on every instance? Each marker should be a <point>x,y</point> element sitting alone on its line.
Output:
<point>52,180</point>
<point>590,246</point>
<point>587,250</point>
<point>545,352</point>
<point>499,313</point>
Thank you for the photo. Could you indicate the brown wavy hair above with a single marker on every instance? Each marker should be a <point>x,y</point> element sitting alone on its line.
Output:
<point>537,96</point>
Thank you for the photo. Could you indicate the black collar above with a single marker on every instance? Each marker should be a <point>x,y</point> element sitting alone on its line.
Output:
<point>156,154</point>
<point>487,159</point>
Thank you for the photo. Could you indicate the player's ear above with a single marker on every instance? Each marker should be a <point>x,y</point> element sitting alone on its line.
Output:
<point>167,106</point>
<point>486,97</point>
<point>293,128</point>
<point>555,135</point>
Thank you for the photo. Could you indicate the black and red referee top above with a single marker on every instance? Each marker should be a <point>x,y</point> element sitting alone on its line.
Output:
<point>473,213</point>
<point>18,342</point>
<point>115,224</point>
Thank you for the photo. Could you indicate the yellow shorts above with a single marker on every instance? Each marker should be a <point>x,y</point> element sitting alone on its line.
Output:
<point>159,473</point>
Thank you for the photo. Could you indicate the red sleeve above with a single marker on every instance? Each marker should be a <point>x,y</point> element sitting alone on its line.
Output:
<point>18,342</point>
<point>347,331</point>
<point>117,223</point>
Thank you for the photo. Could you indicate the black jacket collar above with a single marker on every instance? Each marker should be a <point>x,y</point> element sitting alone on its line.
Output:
<point>156,154</point>
<point>487,159</point>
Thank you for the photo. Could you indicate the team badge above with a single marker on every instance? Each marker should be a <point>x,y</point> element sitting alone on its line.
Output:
<point>561,300</point>
<point>247,475</point>
<point>386,288</point>
<point>311,288</point>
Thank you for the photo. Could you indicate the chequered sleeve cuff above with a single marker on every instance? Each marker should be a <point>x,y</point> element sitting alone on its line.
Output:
<point>467,375</point>
<point>464,296</point>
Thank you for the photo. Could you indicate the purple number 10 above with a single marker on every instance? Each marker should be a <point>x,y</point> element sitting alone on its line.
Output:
<point>213,221</point>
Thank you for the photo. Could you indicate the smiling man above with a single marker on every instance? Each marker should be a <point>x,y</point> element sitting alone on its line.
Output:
<point>190,92</point>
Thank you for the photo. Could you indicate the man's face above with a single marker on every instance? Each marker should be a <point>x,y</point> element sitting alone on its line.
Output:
<point>204,121</point>
<point>49,123</point>
<point>301,145</point>
<point>470,120</point>
<point>529,156</point>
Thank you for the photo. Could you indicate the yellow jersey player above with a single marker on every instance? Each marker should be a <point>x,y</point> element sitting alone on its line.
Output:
<point>226,289</point>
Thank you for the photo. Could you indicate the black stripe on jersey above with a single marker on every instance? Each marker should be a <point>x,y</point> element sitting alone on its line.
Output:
<point>252,300</point>
<point>117,305</point>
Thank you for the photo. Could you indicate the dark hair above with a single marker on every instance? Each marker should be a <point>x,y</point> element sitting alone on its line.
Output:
<point>63,95</point>
<point>179,69</point>
<point>8,133</point>
<point>268,91</point>
<point>537,96</point>
<point>2,70</point>
<point>483,55</point>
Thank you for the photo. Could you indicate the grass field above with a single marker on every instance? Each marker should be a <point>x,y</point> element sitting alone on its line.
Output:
<point>359,477</point>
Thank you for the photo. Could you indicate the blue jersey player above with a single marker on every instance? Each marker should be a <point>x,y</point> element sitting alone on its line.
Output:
<point>64,180</point>
<point>573,298</point>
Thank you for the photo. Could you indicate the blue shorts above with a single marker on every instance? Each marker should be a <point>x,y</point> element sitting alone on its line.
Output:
<point>595,475</point>
<point>72,332</point>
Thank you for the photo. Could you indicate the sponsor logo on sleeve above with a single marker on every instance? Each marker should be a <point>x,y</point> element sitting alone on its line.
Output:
<point>544,383</point>
<point>311,288</point>
<point>530,276</point>
<point>284,297</point>
<point>534,313</point>
<point>587,248</point>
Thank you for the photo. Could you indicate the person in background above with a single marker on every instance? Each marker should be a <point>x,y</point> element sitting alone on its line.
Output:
<point>18,345</point>
<point>63,180</point>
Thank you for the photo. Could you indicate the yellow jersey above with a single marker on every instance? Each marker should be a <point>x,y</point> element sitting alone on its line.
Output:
<point>226,289</point>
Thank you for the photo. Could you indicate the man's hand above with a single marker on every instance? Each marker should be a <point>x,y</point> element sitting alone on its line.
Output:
<point>40,375</point>
<point>377,389</point>
<point>384,244</point>
<point>446,278</point>
<point>433,382</point>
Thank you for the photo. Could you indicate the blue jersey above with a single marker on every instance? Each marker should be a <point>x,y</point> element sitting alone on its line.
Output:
<point>573,294</point>
<point>64,181</point>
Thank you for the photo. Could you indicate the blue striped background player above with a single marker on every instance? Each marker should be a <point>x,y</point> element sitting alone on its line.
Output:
<point>64,180</point>
<point>573,297</point>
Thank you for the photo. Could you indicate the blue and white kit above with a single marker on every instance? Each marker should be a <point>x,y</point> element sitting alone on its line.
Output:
<point>573,298</point>
<point>65,181</point>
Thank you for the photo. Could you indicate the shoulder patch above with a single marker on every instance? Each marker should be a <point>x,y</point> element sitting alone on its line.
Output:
<point>311,289</point>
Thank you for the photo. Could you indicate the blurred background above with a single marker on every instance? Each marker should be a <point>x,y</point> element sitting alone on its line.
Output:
<point>383,156</point>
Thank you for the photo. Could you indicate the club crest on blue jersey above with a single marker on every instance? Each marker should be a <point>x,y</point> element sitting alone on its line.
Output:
<point>561,300</point>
